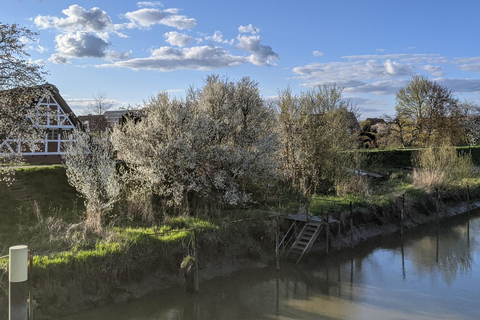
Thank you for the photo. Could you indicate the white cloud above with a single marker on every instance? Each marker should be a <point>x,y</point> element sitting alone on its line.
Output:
<point>317,53</point>
<point>148,17</point>
<point>249,29</point>
<point>436,71</point>
<point>469,64</point>
<point>261,54</point>
<point>218,37</point>
<point>179,39</point>
<point>78,45</point>
<point>194,58</point>
<point>78,19</point>
<point>378,74</point>
<point>153,4</point>
<point>461,85</point>
<point>59,59</point>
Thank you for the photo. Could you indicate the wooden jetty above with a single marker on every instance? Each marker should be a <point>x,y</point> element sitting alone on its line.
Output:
<point>300,237</point>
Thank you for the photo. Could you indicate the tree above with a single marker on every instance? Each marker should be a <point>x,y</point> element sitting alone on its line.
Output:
<point>92,170</point>
<point>19,88</point>
<point>213,148</point>
<point>427,113</point>
<point>96,110</point>
<point>316,130</point>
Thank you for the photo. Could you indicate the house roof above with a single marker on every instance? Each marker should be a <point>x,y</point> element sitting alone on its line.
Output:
<point>34,93</point>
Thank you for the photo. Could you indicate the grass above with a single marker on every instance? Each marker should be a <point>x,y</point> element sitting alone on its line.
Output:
<point>53,228</point>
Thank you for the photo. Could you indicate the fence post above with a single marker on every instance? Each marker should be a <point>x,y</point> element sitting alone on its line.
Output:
<point>195,256</point>
<point>277,249</point>
<point>351,224</point>
<point>339,231</point>
<point>402,212</point>
<point>328,230</point>
<point>18,283</point>
<point>468,200</point>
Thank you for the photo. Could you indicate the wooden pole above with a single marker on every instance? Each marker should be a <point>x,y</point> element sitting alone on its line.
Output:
<point>468,200</point>
<point>30,285</point>
<point>328,231</point>
<point>18,283</point>
<point>277,250</point>
<point>195,256</point>
<point>338,235</point>
<point>402,214</point>
<point>351,225</point>
<point>438,199</point>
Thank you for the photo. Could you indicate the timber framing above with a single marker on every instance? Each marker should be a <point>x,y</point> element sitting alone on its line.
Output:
<point>56,118</point>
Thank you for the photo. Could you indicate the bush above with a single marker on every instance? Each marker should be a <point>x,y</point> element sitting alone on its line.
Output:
<point>440,168</point>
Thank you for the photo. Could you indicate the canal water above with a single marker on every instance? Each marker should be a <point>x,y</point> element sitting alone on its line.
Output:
<point>432,273</point>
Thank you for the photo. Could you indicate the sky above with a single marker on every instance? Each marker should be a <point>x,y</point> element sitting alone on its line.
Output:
<point>131,50</point>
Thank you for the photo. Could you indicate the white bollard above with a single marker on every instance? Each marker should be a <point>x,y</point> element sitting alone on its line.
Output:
<point>18,283</point>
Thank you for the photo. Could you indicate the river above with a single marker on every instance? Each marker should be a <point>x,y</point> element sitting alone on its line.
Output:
<point>432,273</point>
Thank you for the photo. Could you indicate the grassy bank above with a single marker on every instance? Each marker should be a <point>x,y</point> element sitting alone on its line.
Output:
<point>75,269</point>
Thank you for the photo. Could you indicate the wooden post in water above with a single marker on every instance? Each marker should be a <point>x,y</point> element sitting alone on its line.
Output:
<point>195,256</point>
<point>468,200</point>
<point>328,230</point>
<point>18,283</point>
<point>402,212</point>
<point>338,235</point>
<point>436,207</point>
<point>277,250</point>
<point>351,225</point>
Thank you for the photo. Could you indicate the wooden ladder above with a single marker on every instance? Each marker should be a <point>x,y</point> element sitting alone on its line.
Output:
<point>305,239</point>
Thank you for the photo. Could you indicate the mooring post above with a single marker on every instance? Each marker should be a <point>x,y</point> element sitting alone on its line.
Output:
<point>338,236</point>
<point>328,230</point>
<point>351,225</point>
<point>277,249</point>
<point>468,200</point>
<point>402,212</point>
<point>30,284</point>
<point>18,283</point>
<point>195,256</point>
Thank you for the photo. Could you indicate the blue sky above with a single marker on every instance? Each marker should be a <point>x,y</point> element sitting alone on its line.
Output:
<point>130,50</point>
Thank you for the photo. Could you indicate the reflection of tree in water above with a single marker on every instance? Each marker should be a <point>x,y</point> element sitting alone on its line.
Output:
<point>446,252</point>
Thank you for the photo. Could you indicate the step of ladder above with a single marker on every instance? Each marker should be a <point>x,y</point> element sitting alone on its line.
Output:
<point>305,239</point>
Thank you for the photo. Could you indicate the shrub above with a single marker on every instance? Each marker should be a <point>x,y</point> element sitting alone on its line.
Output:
<point>440,168</point>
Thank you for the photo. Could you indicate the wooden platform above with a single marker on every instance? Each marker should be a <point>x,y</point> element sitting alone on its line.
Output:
<point>302,218</point>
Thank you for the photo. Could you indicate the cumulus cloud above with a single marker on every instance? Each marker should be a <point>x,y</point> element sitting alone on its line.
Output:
<point>218,37</point>
<point>317,53</point>
<point>78,45</point>
<point>261,54</point>
<point>249,29</point>
<point>179,39</point>
<point>147,17</point>
<point>93,20</point>
<point>194,58</point>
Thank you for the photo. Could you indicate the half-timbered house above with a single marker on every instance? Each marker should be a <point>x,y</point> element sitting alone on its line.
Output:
<point>57,120</point>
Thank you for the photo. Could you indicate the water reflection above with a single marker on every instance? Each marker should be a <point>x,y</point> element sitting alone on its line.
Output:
<point>432,273</point>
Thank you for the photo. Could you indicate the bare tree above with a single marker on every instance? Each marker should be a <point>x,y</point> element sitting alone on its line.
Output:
<point>96,110</point>
<point>19,89</point>
<point>316,129</point>
<point>429,113</point>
